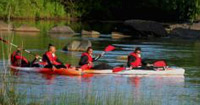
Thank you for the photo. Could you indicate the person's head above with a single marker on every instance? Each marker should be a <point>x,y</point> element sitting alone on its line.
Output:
<point>52,48</point>
<point>89,50</point>
<point>137,50</point>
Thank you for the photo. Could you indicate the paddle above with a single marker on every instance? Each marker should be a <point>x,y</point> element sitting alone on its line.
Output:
<point>160,63</point>
<point>107,49</point>
<point>118,69</point>
<point>157,64</point>
<point>7,42</point>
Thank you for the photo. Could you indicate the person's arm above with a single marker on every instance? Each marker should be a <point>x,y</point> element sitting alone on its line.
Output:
<point>130,60</point>
<point>47,58</point>
<point>34,60</point>
<point>96,58</point>
<point>83,60</point>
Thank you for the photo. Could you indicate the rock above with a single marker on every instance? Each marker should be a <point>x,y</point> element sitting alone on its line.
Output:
<point>27,33</point>
<point>84,32</point>
<point>26,28</point>
<point>5,27</point>
<point>145,27</point>
<point>84,45</point>
<point>73,46</point>
<point>185,33</point>
<point>61,35</point>
<point>122,57</point>
<point>118,35</point>
<point>194,26</point>
<point>173,26</point>
<point>93,34</point>
<point>78,45</point>
<point>62,29</point>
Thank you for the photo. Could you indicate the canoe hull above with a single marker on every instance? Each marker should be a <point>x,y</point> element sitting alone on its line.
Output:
<point>48,70</point>
<point>167,71</point>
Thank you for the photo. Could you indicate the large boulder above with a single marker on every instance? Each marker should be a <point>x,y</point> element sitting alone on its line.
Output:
<point>145,27</point>
<point>185,33</point>
<point>26,28</point>
<point>78,45</point>
<point>62,29</point>
<point>93,34</point>
<point>5,27</point>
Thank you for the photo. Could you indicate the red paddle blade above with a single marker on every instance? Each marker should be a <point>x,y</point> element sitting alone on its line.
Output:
<point>109,48</point>
<point>118,69</point>
<point>159,64</point>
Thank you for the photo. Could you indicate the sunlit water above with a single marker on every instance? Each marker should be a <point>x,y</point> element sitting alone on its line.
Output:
<point>166,90</point>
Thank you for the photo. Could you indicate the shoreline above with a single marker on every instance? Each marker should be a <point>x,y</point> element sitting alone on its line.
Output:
<point>40,19</point>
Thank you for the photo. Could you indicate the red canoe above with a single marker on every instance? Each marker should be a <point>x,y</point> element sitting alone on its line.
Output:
<point>70,71</point>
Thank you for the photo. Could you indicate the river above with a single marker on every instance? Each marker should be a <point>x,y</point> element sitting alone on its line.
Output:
<point>103,89</point>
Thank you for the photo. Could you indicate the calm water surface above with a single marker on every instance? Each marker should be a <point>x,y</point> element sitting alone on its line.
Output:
<point>166,90</point>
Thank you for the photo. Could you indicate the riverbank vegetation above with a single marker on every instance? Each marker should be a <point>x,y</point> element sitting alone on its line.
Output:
<point>161,10</point>
<point>32,9</point>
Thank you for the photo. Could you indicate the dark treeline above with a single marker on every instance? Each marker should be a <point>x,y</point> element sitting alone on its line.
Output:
<point>171,10</point>
<point>163,10</point>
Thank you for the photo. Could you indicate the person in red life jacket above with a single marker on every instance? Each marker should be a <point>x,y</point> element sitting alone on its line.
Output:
<point>50,60</point>
<point>134,59</point>
<point>18,60</point>
<point>86,61</point>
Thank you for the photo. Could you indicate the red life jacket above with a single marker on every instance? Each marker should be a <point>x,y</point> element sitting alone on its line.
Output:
<point>53,59</point>
<point>137,62</point>
<point>86,66</point>
<point>16,57</point>
<point>89,57</point>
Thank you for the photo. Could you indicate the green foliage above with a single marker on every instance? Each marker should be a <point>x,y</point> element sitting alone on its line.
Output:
<point>31,9</point>
<point>184,9</point>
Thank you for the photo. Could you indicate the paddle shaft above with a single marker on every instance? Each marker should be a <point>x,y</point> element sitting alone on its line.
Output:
<point>7,42</point>
<point>107,49</point>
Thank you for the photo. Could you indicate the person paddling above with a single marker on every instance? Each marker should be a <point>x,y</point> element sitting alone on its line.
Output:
<point>134,59</point>
<point>18,60</point>
<point>50,60</point>
<point>86,61</point>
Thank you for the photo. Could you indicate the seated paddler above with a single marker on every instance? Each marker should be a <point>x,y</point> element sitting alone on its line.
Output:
<point>86,60</point>
<point>18,60</point>
<point>50,60</point>
<point>134,59</point>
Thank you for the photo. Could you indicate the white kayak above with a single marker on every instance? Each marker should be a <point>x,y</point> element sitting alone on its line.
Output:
<point>158,71</point>
<point>166,71</point>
